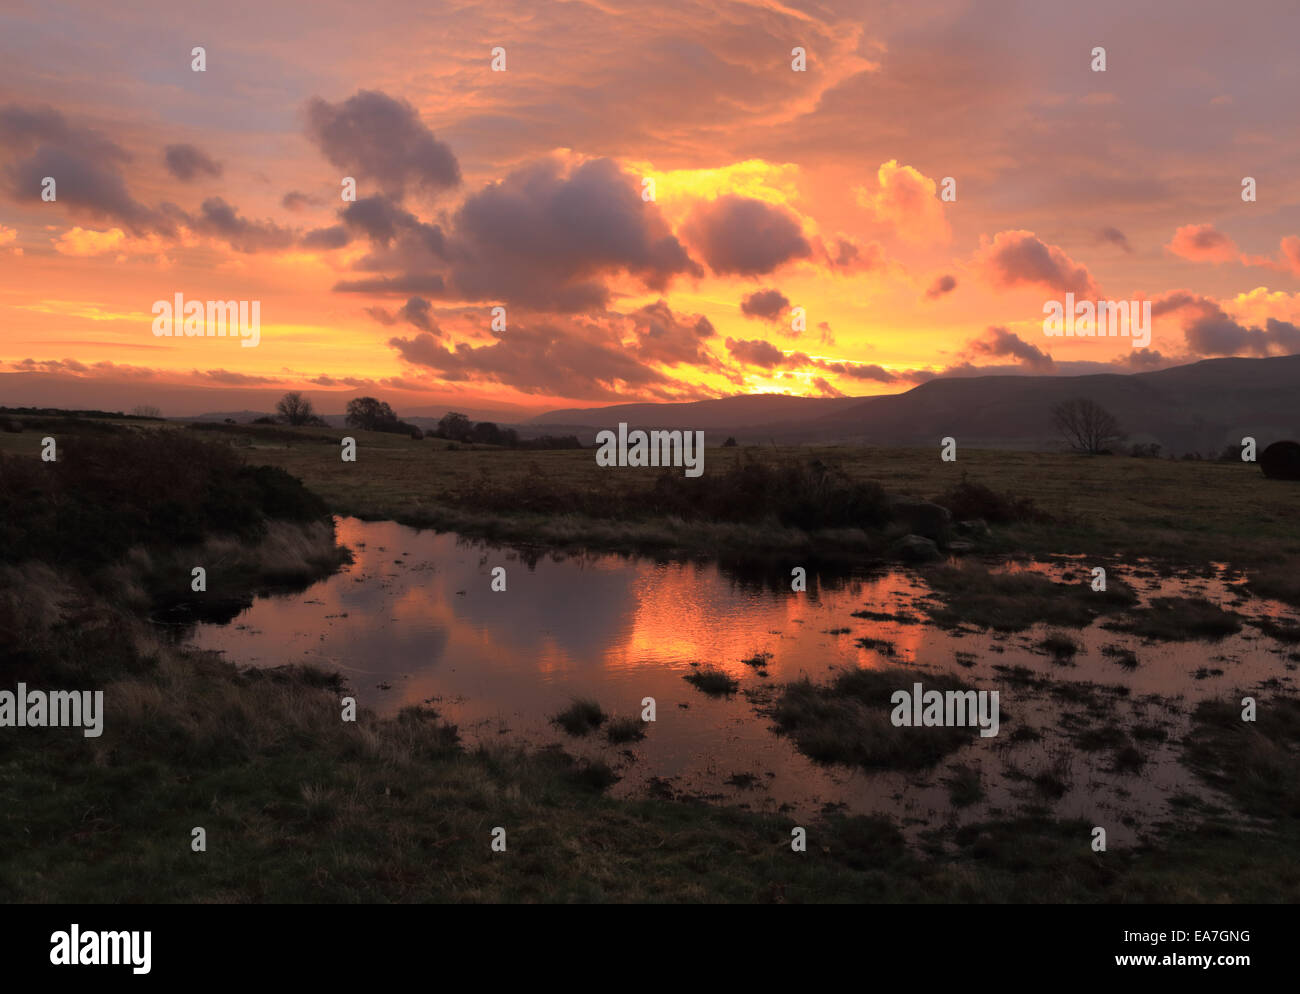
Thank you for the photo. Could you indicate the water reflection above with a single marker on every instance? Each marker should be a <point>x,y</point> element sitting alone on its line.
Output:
<point>414,619</point>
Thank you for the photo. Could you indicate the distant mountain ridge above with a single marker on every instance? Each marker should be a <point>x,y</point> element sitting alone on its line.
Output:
<point>1199,407</point>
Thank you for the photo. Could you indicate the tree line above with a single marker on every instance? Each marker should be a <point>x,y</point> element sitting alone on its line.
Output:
<point>372,414</point>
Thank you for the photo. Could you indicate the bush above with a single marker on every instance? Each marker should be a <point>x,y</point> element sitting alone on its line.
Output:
<point>107,494</point>
<point>969,500</point>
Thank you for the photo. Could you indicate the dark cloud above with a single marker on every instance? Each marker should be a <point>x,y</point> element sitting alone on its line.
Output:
<point>220,219</point>
<point>23,129</point>
<point>87,185</point>
<point>1219,335</point>
<point>1015,258</point>
<point>824,386</point>
<point>859,371</point>
<point>745,236</point>
<point>414,243</point>
<point>665,337</point>
<point>546,235</point>
<point>373,136</point>
<point>238,379</point>
<point>944,284</point>
<point>415,311</point>
<point>430,284</point>
<point>332,237</point>
<point>756,352</point>
<point>295,200</point>
<point>1115,237</point>
<point>186,162</point>
<point>766,304</point>
<point>1003,342</point>
<point>582,359</point>
<point>847,255</point>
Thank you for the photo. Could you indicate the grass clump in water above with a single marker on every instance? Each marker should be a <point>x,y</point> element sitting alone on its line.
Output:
<point>713,681</point>
<point>582,716</point>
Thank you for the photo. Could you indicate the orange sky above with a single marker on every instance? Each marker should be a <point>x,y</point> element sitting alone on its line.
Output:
<point>774,189</point>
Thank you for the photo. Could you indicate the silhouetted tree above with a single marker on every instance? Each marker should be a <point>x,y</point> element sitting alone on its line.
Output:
<point>1086,425</point>
<point>295,409</point>
<point>370,414</point>
<point>455,426</point>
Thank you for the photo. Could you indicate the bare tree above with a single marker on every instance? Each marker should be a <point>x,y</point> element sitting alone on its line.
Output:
<point>295,408</point>
<point>1086,425</point>
<point>146,411</point>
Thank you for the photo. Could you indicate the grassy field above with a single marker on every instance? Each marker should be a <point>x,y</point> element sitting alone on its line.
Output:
<point>1185,512</point>
<point>301,806</point>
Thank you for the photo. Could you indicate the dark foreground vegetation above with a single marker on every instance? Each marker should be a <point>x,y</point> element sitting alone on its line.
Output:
<point>300,806</point>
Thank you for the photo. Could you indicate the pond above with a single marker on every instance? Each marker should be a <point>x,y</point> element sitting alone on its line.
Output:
<point>414,620</point>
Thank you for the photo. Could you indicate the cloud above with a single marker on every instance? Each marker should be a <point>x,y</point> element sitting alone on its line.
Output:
<point>430,284</point>
<point>825,388</point>
<point>745,236</point>
<point>847,255</point>
<point>1114,237</point>
<point>416,311</point>
<point>664,337</point>
<point>765,304</point>
<point>579,358</point>
<point>186,162</point>
<point>906,200</point>
<point>399,239</point>
<point>295,200</point>
<point>548,234</point>
<point>1002,342</point>
<point>233,378</point>
<point>89,185</point>
<point>1020,258</point>
<point>87,242</point>
<point>1203,243</point>
<point>1210,331</point>
<point>859,371</point>
<point>219,219</point>
<point>942,285</point>
<point>373,136</point>
<point>756,352</point>
<point>331,237</point>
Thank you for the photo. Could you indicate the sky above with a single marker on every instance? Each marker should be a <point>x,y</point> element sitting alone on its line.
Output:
<point>667,202</point>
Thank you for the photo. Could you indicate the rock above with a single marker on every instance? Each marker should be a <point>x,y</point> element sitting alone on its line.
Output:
<point>922,517</point>
<point>960,548</point>
<point>974,528</point>
<point>916,549</point>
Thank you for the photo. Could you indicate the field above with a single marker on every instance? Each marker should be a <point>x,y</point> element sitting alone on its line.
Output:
<point>300,807</point>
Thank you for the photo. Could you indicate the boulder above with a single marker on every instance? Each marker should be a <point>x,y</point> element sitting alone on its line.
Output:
<point>922,517</point>
<point>916,549</point>
<point>974,528</point>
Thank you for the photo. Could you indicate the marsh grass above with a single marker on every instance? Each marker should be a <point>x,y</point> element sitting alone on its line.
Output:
<point>628,728</point>
<point>712,681</point>
<point>848,721</point>
<point>581,717</point>
<point>1013,601</point>
<point>1178,619</point>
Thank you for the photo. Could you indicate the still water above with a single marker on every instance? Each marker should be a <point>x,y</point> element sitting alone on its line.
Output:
<point>414,620</point>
